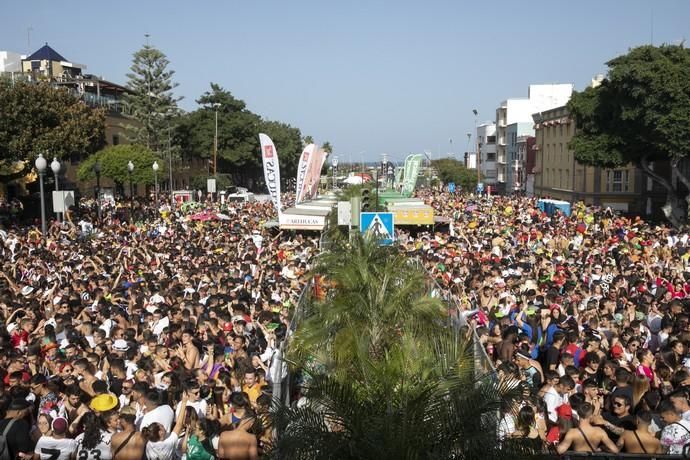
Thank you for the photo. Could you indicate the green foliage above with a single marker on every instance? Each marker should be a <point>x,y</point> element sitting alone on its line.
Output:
<point>387,378</point>
<point>379,295</point>
<point>223,181</point>
<point>641,109</point>
<point>238,136</point>
<point>114,162</point>
<point>38,118</point>
<point>308,140</point>
<point>452,170</point>
<point>327,147</point>
<point>152,101</point>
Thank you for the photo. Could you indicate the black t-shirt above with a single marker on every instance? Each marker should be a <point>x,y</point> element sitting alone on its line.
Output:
<point>18,437</point>
<point>553,355</point>
<point>627,422</point>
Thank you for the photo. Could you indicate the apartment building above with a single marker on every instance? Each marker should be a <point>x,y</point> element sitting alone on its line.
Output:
<point>558,175</point>
<point>486,139</point>
<point>520,110</point>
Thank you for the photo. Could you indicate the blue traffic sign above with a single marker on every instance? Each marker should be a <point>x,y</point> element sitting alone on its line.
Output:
<point>380,224</point>
<point>480,187</point>
<point>451,187</point>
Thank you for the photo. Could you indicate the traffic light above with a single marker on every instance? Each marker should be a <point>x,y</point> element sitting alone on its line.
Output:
<point>366,200</point>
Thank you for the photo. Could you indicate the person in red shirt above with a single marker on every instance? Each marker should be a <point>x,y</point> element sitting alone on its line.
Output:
<point>20,336</point>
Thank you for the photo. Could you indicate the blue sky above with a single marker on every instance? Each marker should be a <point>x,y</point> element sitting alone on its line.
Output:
<point>369,76</point>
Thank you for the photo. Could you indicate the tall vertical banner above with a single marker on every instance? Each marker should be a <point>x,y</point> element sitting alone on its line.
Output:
<point>412,166</point>
<point>320,160</point>
<point>307,156</point>
<point>313,174</point>
<point>271,169</point>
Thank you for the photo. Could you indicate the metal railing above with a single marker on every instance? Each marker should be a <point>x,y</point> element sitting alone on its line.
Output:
<point>282,389</point>
<point>483,365</point>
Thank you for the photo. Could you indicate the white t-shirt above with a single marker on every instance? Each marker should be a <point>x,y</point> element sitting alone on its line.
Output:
<point>161,414</point>
<point>48,448</point>
<point>200,406</point>
<point>162,450</point>
<point>100,452</point>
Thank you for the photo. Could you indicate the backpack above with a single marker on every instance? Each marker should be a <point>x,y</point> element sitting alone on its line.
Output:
<point>4,448</point>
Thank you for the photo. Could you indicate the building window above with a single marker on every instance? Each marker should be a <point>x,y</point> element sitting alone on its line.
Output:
<point>617,180</point>
<point>491,156</point>
<point>116,139</point>
<point>561,129</point>
<point>490,139</point>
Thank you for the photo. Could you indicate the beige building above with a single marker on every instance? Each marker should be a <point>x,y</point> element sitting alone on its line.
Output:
<point>558,175</point>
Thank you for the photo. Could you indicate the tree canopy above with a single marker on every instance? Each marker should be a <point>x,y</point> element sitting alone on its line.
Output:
<point>38,118</point>
<point>114,162</point>
<point>640,113</point>
<point>452,170</point>
<point>151,100</point>
<point>238,131</point>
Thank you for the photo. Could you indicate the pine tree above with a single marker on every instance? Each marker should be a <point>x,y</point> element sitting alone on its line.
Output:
<point>152,102</point>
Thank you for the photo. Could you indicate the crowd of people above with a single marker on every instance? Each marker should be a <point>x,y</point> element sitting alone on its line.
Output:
<point>588,315</point>
<point>160,337</point>
<point>155,337</point>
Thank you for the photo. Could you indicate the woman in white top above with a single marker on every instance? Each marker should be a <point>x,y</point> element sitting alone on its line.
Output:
<point>162,445</point>
<point>94,442</point>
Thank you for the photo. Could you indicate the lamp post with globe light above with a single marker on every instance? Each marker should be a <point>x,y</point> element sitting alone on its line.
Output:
<point>41,165</point>
<point>155,181</point>
<point>55,166</point>
<point>130,169</point>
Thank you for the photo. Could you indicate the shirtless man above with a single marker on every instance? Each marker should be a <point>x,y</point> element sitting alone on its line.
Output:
<point>128,444</point>
<point>586,438</point>
<point>640,441</point>
<point>238,444</point>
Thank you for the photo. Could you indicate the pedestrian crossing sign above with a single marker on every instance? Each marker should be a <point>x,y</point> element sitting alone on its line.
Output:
<point>380,224</point>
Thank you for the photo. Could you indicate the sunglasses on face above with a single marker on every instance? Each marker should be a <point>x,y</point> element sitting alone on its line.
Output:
<point>618,404</point>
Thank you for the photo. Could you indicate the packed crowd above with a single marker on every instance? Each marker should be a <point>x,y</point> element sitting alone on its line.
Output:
<point>158,338</point>
<point>587,315</point>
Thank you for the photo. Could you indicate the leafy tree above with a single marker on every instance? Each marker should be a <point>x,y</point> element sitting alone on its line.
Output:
<point>238,137</point>
<point>452,170</point>
<point>152,101</point>
<point>328,148</point>
<point>308,140</point>
<point>38,118</point>
<point>114,162</point>
<point>639,114</point>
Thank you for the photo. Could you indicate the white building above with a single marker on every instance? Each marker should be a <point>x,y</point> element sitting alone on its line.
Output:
<point>10,62</point>
<point>519,110</point>
<point>486,137</point>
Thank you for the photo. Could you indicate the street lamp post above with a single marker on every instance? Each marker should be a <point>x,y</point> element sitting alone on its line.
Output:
<point>170,165</point>
<point>130,169</point>
<point>97,170</point>
<point>479,154</point>
<point>55,167</point>
<point>155,182</point>
<point>41,165</point>
<point>215,141</point>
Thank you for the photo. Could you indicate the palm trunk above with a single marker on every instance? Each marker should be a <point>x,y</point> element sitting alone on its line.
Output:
<point>675,209</point>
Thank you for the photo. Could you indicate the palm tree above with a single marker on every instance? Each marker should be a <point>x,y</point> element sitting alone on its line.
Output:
<point>379,297</point>
<point>392,379</point>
